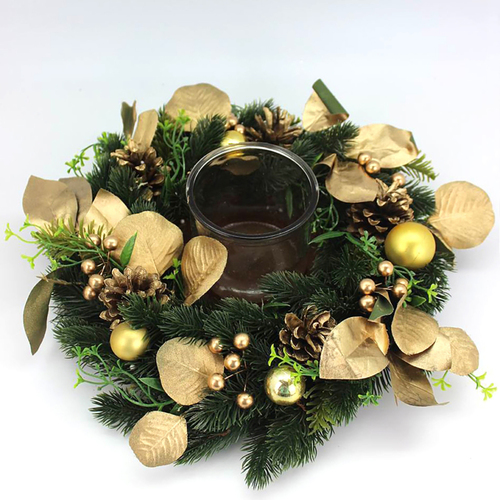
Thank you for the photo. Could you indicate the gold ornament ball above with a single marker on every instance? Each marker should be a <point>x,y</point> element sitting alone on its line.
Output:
<point>367,302</point>
<point>96,282</point>
<point>88,266</point>
<point>89,293</point>
<point>367,286</point>
<point>241,341</point>
<point>411,245</point>
<point>128,344</point>
<point>386,268</point>
<point>215,346</point>
<point>216,382</point>
<point>399,179</point>
<point>110,243</point>
<point>282,387</point>
<point>398,290</point>
<point>232,137</point>
<point>373,167</point>
<point>364,158</point>
<point>232,362</point>
<point>244,400</point>
<point>402,281</point>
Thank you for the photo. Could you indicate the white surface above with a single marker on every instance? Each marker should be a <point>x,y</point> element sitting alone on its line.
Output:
<point>432,67</point>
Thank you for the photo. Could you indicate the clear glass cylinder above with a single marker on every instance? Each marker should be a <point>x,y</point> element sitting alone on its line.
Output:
<point>258,200</point>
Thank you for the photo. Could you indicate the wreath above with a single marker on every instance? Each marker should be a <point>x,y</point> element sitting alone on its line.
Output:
<point>187,373</point>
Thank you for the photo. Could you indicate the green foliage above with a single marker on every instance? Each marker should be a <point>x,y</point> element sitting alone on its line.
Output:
<point>128,248</point>
<point>420,169</point>
<point>311,369</point>
<point>486,390</point>
<point>336,139</point>
<point>142,205</point>
<point>126,184</point>
<point>246,114</point>
<point>206,137</point>
<point>441,382</point>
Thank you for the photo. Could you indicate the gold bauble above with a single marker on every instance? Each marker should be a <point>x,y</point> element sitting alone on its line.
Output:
<point>367,286</point>
<point>373,167</point>
<point>399,289</point>
<point>232,362</point>
<point>128,344</point>
<point>110,243</point>
<point>399,179</point>
<point>89,293</point>
<point>215,346</point>
<point>96,282</point>
<point>241,341</point>
<point>232,137</point>
<point>244,400</point>
<point>364,158</point>
<point>283,387</point>
<point>367,302</point>
<point>216,382</point>
<point>411,245</point>
<point>402,281</point>
<point>88,266</point>
<point>385,268</point>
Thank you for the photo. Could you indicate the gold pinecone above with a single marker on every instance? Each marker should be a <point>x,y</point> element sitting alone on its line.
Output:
<point>390,208</point>
<point>145,163</point>
<point>275,128</point>
<point>303,338</point>
<point>132,280</point>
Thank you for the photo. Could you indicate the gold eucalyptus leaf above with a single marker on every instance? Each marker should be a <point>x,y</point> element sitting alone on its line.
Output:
<point>184,369</point>
<point>83,193</point>
<point>410,385</point>
<point>203,263</point>
<point>47,201</point>
<point>129,117</point>
<point>36,312</point>
<point>316,115</point>
<point>413,330</point>
<point>106,211</point>
<point>158,241</point>
<point>145,130</point>
<point>159,438</point>
<point>391,146</point>
<point>198,101</point>
<point>436,358</point>
<point>355,350</point>
<point>464,214</point>
<point>348,182</point>
<point>464,353</point>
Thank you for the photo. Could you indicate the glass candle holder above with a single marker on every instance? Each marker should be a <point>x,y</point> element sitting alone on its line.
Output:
<point>258,200</point>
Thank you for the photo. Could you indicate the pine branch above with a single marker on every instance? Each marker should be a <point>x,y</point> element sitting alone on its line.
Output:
<point>142,205</point>
<point>336,139</point>
<point>246,114</point>
<point>424,200</point>
<point>125,183</point>
<point>183,321</point>
<point>307,148</point>
<point>420,169</point>
<point>206,137</point>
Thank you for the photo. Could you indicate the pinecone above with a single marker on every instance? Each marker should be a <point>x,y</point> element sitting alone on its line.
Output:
<point>378,217</point>
<point>137,281</point>
<point>303,338</point>
<point>275,128</point>
<point>146,164</point>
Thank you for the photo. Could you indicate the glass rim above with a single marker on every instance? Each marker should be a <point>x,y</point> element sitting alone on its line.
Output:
<point>260,146</point>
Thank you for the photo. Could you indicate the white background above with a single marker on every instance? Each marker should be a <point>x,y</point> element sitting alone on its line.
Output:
<point>428,66</point>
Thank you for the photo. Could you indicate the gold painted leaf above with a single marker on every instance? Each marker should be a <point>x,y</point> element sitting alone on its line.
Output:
<point>392,146</point>
<point>47,201</point>
<point>436,358</point>
<point>129,117</point>
<point>184,369</point>
<point>83,193</point>
<point>354,350</point>
<point>464,353</point>
<point>413,330</point>
<point>158,241</point>
<point>316,115</point>
<point>146,128</point>
<point>36,312</point>
<point>464,214</point>
<point>410,385</point>
<point>198,101</point>
<point>106,211</point>
<point>159,438</point>
<point>203,263</point>
<point>348,182</point>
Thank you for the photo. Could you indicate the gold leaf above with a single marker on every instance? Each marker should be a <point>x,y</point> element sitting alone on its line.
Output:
<point>348,182</point>
<point>392,146</point>
<point>353,351</point>
<point>47,201</point>
<point>159,438</point>
<point>83,193</point>
<point>106,211</point>
<point>316,115</point>
<point>410,385</point>
<point>464,214</point>
<point>436,358</point>
<point>203,263</point>
<point>198,101</point>
<point>158,241</point>
<point>146,128</point>
<point>129,117</point>
<point>184,369</point>
<point>413,330</point>
<point>464,353</point>
<point>35,313</point>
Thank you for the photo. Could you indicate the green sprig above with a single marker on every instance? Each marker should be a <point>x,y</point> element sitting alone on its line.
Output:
<point>310,370</point>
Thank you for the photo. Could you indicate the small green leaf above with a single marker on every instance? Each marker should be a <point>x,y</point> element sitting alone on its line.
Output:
<point>152,382</point>
<point>126,254</point>
<point>417,301</point>
<point>383,307</point>
<point>327,236</point>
